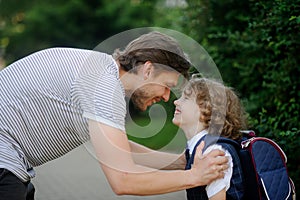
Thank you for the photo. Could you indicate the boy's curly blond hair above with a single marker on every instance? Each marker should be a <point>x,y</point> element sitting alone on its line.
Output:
<point>221,111</point>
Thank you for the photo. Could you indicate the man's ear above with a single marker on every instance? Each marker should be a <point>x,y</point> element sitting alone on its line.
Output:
<point>147,70</point>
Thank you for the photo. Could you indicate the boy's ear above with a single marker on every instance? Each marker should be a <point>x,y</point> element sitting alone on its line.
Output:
<point>147,70</point>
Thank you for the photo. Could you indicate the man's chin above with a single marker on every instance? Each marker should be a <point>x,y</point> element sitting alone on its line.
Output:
<point>143,108</point>
<point>140,107</point>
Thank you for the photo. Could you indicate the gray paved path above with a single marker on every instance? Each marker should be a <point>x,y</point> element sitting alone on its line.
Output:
<point>77,176</point>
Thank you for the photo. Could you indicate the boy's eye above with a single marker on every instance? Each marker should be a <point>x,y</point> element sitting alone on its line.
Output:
<point>185,97</point>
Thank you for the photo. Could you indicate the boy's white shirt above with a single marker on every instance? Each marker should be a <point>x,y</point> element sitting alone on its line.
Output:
<point>217,185</point>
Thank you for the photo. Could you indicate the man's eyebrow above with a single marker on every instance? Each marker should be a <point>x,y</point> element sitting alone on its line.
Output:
<point>172,85</point>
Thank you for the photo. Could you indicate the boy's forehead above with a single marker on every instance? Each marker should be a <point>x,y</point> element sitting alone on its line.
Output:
<point>188,90</point>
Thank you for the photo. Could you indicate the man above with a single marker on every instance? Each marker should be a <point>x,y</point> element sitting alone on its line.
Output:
<point>54,100</point>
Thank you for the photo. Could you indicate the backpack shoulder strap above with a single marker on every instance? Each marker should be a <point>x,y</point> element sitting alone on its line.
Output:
<point>232,142</point>
<point>250,184</point>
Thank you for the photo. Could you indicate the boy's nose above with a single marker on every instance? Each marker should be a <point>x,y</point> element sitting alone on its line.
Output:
<point>176,102</point>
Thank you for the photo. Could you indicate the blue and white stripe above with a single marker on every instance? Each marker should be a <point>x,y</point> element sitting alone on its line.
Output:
<point>46,100</point>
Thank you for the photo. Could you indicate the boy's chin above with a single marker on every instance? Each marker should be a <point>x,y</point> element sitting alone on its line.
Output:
<point>175,122</point>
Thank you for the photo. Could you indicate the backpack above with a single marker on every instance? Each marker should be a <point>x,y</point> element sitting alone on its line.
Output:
<point>264,168</point>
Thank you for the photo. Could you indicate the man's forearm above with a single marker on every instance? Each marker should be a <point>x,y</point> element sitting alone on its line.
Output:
<point>151,182</point>
<point>156,159</point>
<point>126,177</point>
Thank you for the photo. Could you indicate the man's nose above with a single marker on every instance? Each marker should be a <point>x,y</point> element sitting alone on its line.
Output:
<point>166,95</point>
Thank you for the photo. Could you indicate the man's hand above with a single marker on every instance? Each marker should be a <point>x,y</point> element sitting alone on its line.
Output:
<point>207,168</point>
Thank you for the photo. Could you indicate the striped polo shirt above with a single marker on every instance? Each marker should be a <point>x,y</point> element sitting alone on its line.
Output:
<point>46,100</point>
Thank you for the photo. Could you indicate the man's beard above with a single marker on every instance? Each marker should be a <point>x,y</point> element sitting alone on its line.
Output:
<point>138,98</point>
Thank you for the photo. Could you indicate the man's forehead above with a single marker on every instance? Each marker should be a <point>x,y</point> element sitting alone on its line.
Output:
<point>181,82</point>
<point>177,83</point>
<point>171,76</point>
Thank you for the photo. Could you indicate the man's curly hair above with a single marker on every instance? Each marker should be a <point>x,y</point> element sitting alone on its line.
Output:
<point>221,110</point>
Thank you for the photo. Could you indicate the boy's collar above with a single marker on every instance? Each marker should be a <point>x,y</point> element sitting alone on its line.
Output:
<point>191,143</point>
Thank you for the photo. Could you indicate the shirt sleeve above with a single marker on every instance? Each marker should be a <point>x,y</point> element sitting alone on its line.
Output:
<point>107,104</point>
<point>219,184</point>
<point>100,95</point>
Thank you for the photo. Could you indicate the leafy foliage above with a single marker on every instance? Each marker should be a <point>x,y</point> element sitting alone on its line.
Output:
<point>73,23</point>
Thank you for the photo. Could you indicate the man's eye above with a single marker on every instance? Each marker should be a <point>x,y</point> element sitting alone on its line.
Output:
<point>170,85</point>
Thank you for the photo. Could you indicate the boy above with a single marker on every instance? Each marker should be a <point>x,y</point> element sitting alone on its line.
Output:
<point>207,107</point>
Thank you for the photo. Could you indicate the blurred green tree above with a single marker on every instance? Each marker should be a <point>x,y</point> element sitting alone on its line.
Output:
<point>255,45</point>
<point>75,23</point>
<point>37,25</point>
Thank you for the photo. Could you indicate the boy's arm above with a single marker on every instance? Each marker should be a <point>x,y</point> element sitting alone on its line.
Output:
<point>125,177</point>
<point>156,159</point>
